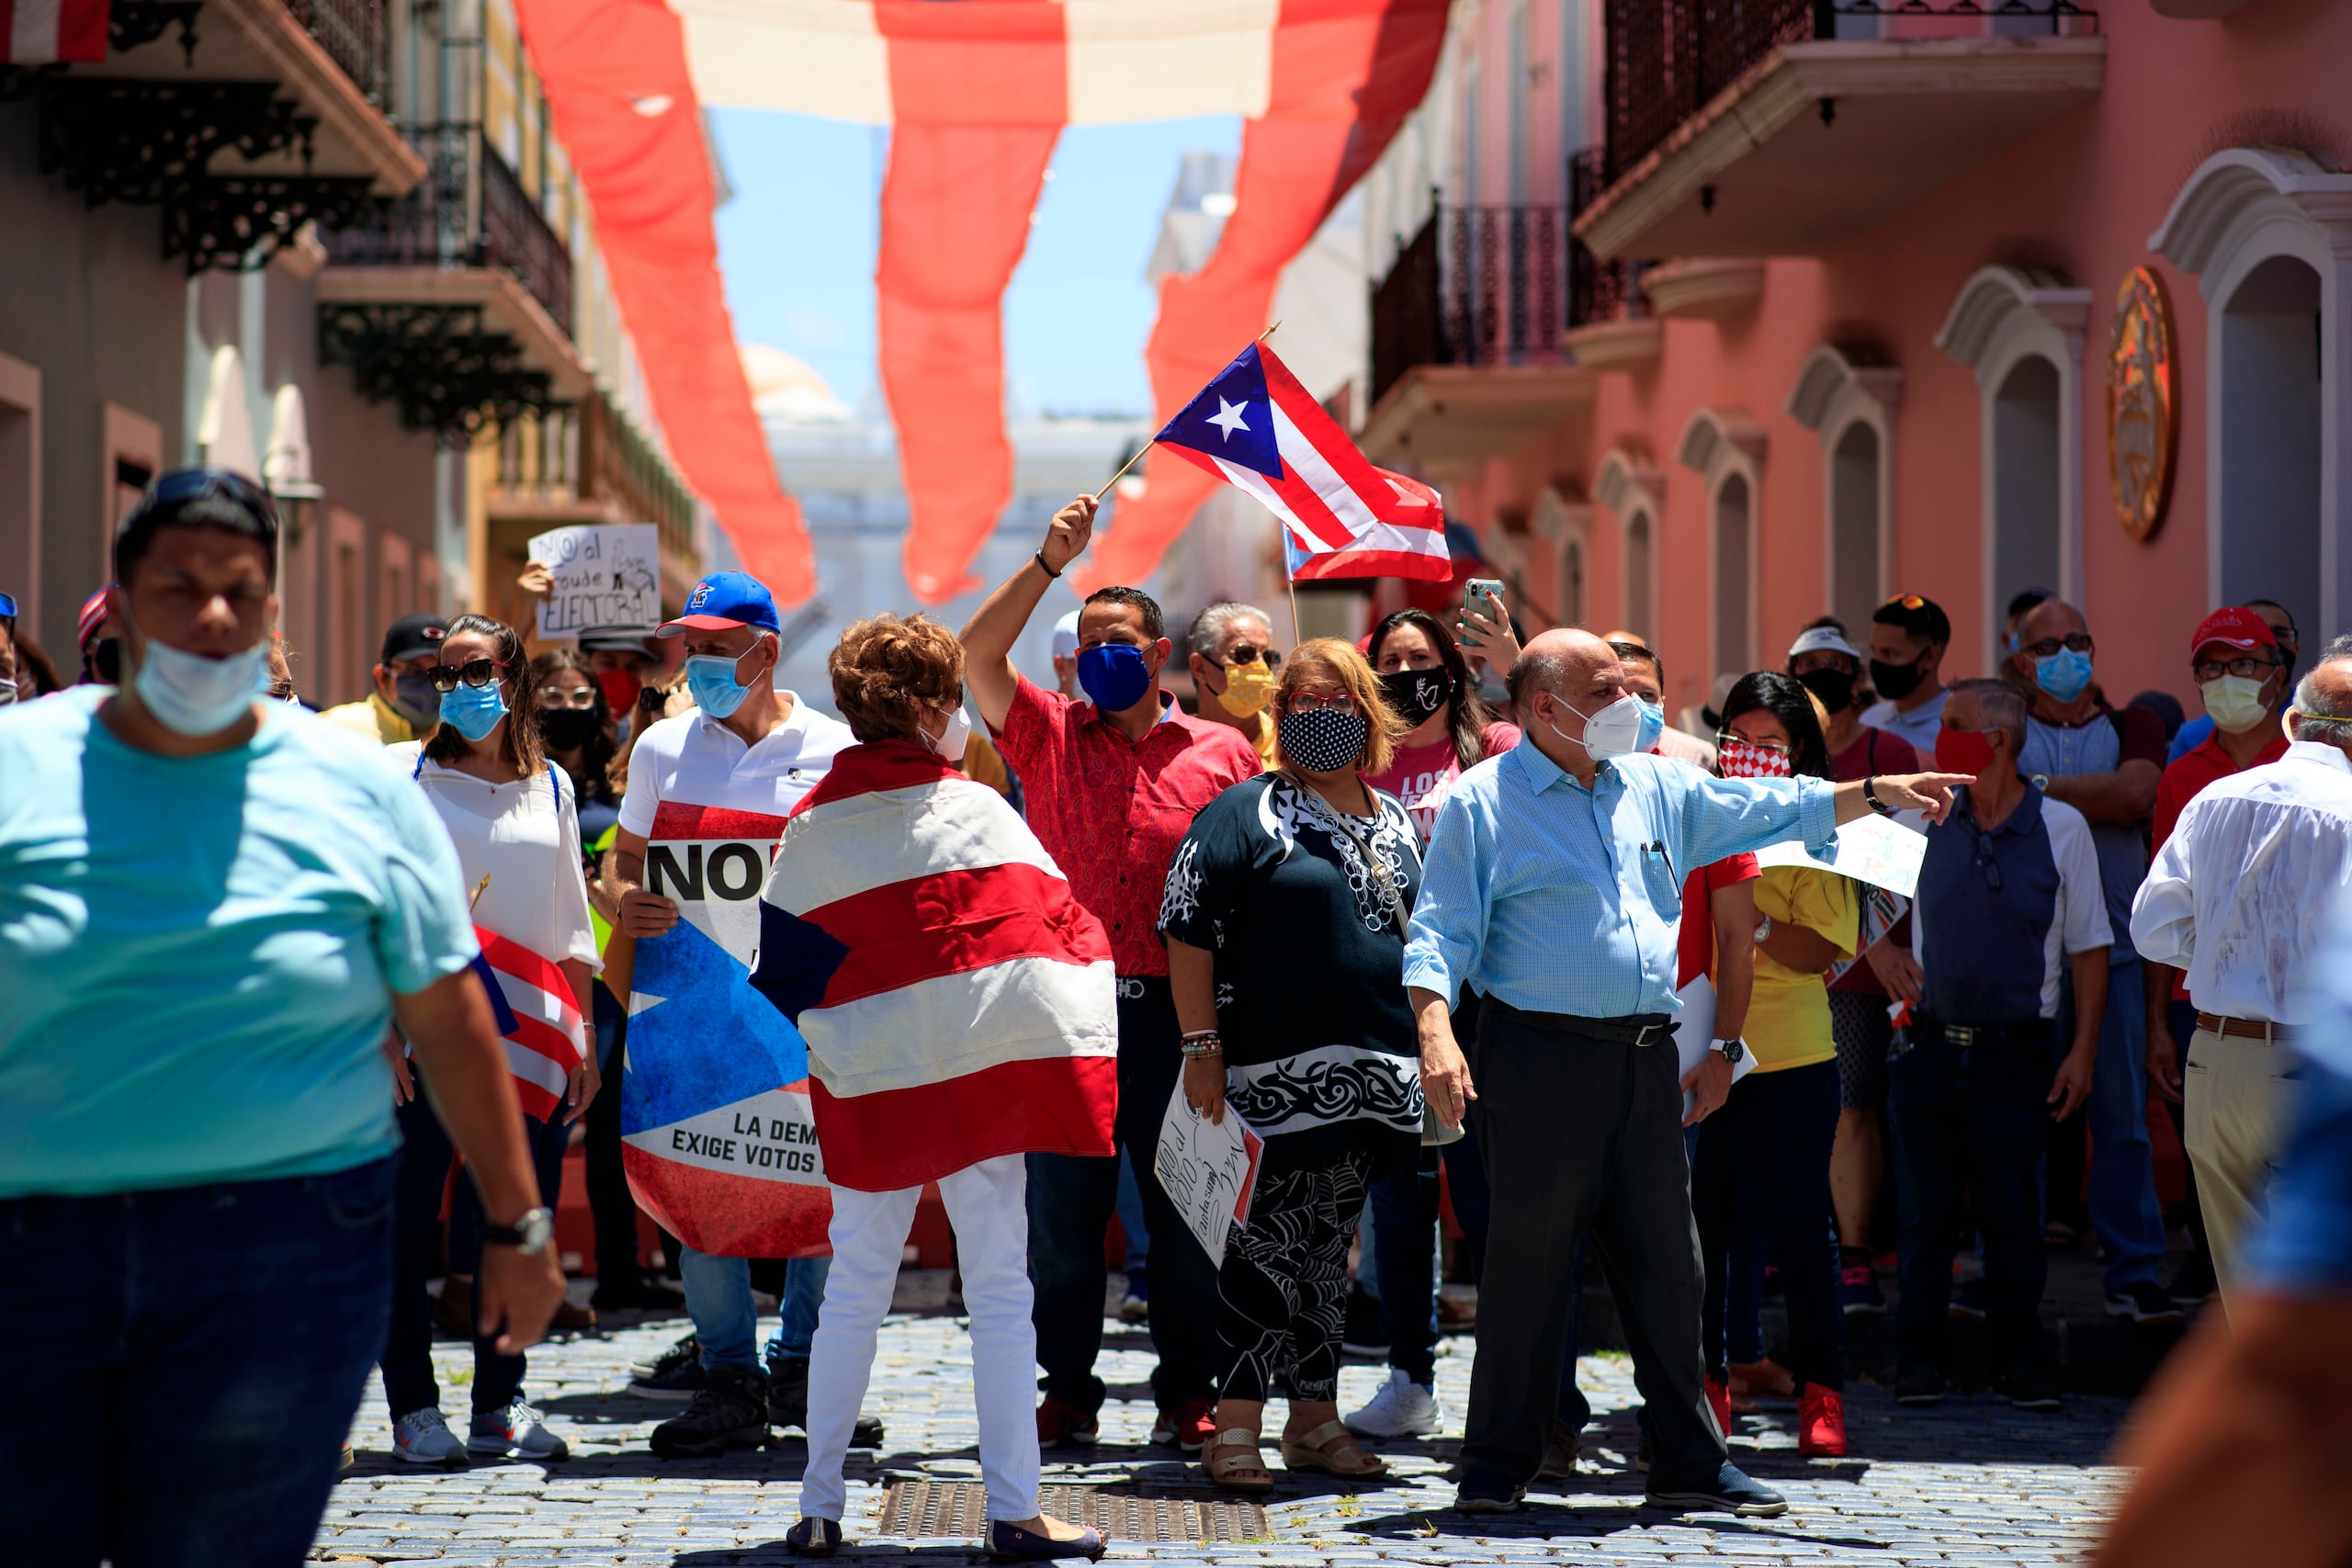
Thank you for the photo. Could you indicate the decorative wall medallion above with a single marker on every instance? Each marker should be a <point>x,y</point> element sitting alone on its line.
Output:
<point>2143,403</point>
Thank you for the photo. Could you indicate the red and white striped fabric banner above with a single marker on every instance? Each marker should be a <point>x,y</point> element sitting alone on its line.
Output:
<point>977,93</point>
<point>547,1040</point>
<point>44,32</point>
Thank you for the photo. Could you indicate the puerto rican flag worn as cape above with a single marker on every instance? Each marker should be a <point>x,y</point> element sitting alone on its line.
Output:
<point>1258,428</point>
<point>957,1000</point>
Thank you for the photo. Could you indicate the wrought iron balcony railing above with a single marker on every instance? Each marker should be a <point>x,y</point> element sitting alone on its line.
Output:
<point>1597,291</point>
<point>1477,286</point>
<point>356,36</point>
<point>1667,58</point>
<point>591,451</point>
<point>470,211</point>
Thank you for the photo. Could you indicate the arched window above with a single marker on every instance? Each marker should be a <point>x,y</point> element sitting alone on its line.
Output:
<point>2268,232</point>
<point>1725,447</point>
<point>2021,329</point>
<point>1848,393</point>
<point>1635,492</point>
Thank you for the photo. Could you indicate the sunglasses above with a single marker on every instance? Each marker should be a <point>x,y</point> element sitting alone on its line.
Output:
<point>2078,643</point>
<point>188,484</point>
<point>473,672</point>
<point>1984,859</point>
<point>1249,653</point>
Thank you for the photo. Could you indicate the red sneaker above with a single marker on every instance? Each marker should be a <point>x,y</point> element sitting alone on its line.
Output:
<point>1189,1423</point>
<point>1059,1422</point>
<point>1821,1423</point>
<point>1719,1401</point>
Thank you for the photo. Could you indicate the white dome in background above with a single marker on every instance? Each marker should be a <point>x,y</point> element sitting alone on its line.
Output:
<point>785,389</point>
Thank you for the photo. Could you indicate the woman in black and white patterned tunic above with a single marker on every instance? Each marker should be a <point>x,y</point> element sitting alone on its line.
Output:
<point>1285,916</point>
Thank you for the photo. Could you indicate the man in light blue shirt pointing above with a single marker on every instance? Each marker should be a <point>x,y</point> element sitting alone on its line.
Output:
<point>1552,886</point>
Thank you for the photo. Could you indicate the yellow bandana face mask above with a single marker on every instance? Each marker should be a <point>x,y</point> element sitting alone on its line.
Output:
<point>1248,688</point>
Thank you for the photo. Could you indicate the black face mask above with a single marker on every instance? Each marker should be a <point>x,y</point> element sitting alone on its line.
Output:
<point>1416,693</point>
<point>105,661</point>
<point>1895,681</point>
<point>1834,687</point>
<point>567,729</point>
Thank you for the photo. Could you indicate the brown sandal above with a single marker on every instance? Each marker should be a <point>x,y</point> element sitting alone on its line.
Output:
<point>1312,1450</point>
<point>1230,1471</point>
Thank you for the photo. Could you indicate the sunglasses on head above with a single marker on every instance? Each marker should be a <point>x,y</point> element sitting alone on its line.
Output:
<point>473,672</point>
<point>1908,602</point>
<point>188,484</point>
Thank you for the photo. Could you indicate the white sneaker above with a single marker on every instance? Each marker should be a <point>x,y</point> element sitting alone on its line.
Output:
<point>1402,1408</point>
<point>516,1432</point>
<point>421,1437</point>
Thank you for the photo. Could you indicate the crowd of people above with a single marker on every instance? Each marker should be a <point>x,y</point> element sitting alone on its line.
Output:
<point>1421,910</point>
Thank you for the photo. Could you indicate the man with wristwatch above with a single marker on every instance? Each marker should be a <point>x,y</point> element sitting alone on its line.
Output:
<point>1554,879</point>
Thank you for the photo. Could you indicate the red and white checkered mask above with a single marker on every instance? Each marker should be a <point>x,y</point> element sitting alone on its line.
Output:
<point>1745,760</point>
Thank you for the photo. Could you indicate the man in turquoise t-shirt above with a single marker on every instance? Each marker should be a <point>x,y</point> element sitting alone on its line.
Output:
<point>212,909</point>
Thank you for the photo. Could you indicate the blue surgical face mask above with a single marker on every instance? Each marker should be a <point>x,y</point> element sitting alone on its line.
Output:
<point>2063,674</point>
<point>191,694</point>
<point>1653,726</point>
<point>473,710</point>
<point>710,677</point>
<point>1113,675</point>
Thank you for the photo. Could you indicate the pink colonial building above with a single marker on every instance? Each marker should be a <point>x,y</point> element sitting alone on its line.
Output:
<point>1710,316</point>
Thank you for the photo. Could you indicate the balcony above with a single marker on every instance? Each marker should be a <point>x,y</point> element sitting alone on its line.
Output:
<point>589,463</point>
<point>243,120</point>
<point>1610,326</point>
<point>455,302</point>
<point>1759,128</point>
<point>1467,357</point>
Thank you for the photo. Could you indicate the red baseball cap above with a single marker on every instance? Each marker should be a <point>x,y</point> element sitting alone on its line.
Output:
<point>93,616</point>
<point>2235,628</point>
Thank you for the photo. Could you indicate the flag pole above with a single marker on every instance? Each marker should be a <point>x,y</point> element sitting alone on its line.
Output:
<point>1291,583</point>
<point>1114,479</point>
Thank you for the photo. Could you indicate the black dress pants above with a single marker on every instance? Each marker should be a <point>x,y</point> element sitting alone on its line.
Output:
<point>1583,1135</point>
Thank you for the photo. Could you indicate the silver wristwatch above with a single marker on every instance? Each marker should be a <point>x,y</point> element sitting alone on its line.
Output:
<point>528,1234</point>
<point>1763,926</point>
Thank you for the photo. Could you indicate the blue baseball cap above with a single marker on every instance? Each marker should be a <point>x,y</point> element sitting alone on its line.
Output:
<point>724,600</point>
<point>7,608</point>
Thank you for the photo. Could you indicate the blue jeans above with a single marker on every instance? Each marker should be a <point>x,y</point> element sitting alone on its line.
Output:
<point>185,1367</point>
<point>718,1299</point>
<point>1975,1121</point>
<point>2125,1210</point>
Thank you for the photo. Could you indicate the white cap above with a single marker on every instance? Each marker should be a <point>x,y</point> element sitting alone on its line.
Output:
<point>1824,639</point>
<point>1066,636</point>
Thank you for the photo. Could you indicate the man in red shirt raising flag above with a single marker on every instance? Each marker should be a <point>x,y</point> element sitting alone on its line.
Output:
<point>1112,781</point>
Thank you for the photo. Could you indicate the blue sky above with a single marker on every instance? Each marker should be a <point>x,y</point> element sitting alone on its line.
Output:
<point>796,246</point>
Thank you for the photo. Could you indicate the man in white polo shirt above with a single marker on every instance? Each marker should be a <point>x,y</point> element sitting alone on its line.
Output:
<point>751,751</point>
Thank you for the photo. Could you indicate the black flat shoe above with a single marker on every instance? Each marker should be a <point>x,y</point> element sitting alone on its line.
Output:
<point>1010,1543</point>
<point>814,1538</point>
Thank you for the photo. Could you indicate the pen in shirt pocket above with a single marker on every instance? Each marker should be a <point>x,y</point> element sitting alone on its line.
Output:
<point>1657,847</point>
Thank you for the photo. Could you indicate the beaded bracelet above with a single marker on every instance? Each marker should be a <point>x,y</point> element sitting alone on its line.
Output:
<point>1201,1042</point>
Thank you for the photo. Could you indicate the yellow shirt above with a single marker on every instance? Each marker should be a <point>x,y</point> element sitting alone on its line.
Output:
<point>1788,1017</point>
<point>374,720</point>
<point>1265,739</point>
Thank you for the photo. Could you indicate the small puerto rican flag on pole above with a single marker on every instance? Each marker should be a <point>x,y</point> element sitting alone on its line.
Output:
<point>1257,427</point>
<point>545,1041</point>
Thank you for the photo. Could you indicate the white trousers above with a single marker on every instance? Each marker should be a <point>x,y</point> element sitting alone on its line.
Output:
<point>987,1204</point>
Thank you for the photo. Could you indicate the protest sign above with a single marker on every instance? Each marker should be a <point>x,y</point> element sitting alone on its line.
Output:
<point>1209,1171</point>
<point>1694,1030</point>
<point>606,577</point>
<point>1876,850</point>
<point>717,1133</point>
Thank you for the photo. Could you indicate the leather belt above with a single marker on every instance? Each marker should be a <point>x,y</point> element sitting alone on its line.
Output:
<point>1993,1036</point>
<point>2243,1028</point>
<point>1635,1029</point>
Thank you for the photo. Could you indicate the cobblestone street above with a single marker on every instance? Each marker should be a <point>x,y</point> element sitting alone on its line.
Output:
<point>1970,1481</point>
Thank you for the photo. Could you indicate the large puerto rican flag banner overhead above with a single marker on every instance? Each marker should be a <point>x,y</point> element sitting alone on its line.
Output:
<point>1257,427</point>
<point>957,1001</point>
<point>717,1136</point>
<point>976,94</point>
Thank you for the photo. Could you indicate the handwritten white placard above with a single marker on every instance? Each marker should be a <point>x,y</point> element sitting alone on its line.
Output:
<point>607,578</point>
<point>1876,850</point>
<point>1209,1171</point>
<point>1694,1030</point>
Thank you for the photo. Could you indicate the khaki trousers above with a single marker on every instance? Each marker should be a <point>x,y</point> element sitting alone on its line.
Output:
<point>2235,1098</point>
